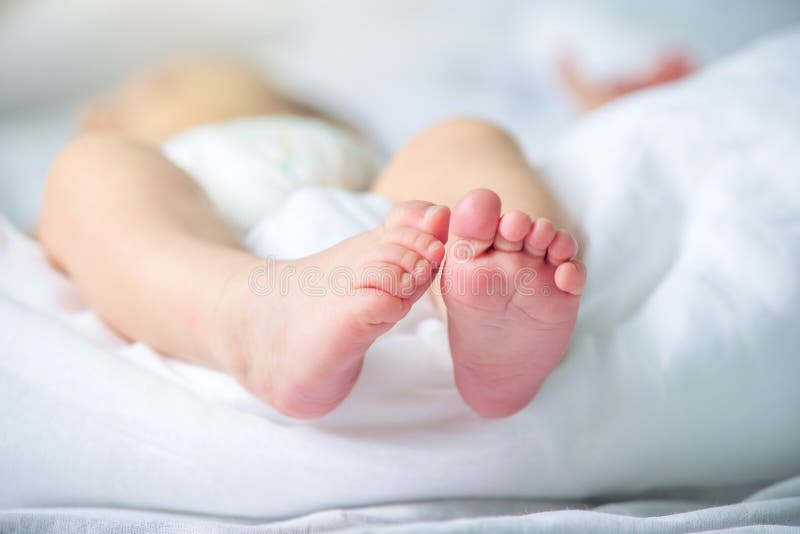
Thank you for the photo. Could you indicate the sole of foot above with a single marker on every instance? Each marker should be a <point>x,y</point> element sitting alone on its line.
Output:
<point>512,289</point>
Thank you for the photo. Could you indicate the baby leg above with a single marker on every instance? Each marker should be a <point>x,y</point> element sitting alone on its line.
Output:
<point>147,251</point>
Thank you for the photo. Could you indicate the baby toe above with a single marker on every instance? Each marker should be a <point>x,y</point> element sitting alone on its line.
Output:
<point>511,231</point>
<point>426,245</point>
<point>563,248</point>
<point>425,216</point>
<point>541,235</point>
<point>475,218</point>
<point>399,255</point>
<point>571,277</point>
<point>387,277</point>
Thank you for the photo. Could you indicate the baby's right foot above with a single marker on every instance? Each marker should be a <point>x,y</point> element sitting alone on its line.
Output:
<point>295,332</point>
<point>512,291</point>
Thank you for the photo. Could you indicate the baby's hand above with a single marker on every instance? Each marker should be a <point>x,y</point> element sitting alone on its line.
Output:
<point>668,67</point>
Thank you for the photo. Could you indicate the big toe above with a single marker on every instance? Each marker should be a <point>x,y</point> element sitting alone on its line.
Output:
<point>475,218</point>
<point>427,217</point>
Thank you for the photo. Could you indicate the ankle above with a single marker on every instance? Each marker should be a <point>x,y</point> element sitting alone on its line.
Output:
<point>229,300</point>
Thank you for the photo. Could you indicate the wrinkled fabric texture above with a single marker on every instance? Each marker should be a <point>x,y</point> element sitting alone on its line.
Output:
<point>682,373</point>
<point>773,509</point>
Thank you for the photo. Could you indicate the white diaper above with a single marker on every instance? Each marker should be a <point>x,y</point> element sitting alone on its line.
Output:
<point>249,167</point>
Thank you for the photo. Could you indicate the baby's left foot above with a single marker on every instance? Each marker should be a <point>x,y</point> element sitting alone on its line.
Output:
<point>512,291</point>
<point>295,332</point>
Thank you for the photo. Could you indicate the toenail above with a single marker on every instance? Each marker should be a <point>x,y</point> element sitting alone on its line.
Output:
<point>421,267</point>
<point>431,211</point>
<point>406,281</point>
<point>433,247</point>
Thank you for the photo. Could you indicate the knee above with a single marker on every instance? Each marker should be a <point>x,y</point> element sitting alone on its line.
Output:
<point>66,178</point>
<point>82,150</point>
<point>467,134</point>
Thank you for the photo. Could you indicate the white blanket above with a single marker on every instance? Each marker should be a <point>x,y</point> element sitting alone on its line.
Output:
<point>683,372</point>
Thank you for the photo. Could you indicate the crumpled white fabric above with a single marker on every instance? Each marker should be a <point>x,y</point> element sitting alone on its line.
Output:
<point>774,509</point>
<point>683,371</point>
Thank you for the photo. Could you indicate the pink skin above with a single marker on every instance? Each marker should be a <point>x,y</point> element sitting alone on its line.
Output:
<point>507,331</point>
<point>305,359</point>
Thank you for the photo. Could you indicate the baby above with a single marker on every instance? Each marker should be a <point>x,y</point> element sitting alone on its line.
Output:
<point>474,227</point>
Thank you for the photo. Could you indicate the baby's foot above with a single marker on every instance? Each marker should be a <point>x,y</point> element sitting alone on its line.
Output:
<point>512,290</point>
<point>295,332</point>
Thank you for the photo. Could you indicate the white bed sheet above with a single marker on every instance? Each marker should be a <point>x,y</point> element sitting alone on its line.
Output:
<point>772,510</point>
